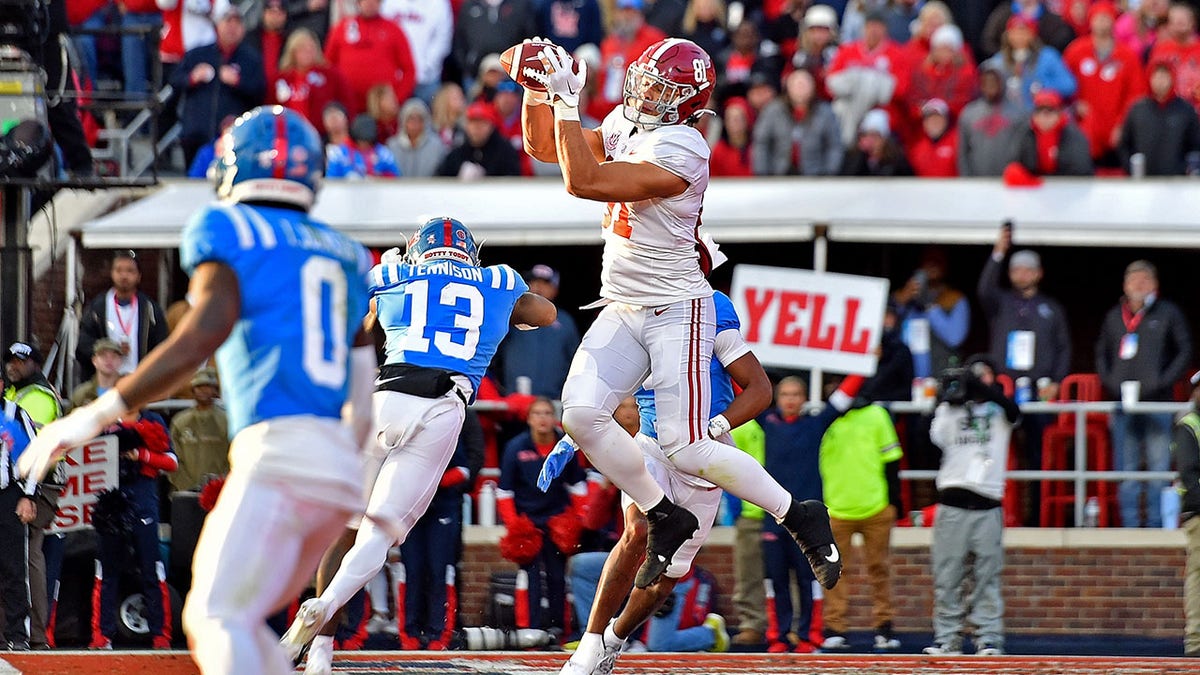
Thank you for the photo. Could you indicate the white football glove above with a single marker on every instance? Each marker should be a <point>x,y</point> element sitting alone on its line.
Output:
<point>560,79</point>
<point>81,426</point>
<point>718,427</point>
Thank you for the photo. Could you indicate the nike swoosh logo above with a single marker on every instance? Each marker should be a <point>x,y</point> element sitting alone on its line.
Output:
<point>661,558</point>
<point>659,312</point>
<point>835,556</point>
<point>570,89</point>
<point>379,383</point>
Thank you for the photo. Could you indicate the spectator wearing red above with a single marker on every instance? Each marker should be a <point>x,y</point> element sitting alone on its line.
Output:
<point>935,153</point>
<point>1161,127</point>
<point>1138,28</point>
<point>731,154</point>
<point>270,35</point>
<point>1053,145</point>
<point>1050,28</point>
<point>797,134</point>
<point>866,74</point>
<point>1178,44</point>
<point>933,15</point>
<point>368,50</point>
<point>217,80</point>
<point>946,75</point>
<point>816,47</point>
<point>1110,80</point>
<point>306,83</point>
<point>629,37</point>
<point>383,107</point>
<point>876,154</point>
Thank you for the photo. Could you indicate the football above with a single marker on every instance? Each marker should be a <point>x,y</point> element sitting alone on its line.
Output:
<point>522,58</point>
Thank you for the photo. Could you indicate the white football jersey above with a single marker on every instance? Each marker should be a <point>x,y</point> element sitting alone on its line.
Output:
<point>650,255</point>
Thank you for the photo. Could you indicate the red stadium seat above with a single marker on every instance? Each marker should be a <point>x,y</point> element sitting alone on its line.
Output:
<point>1058,454</point>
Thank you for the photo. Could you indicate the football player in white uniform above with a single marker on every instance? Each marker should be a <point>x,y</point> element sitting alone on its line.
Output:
<point>650,165</point>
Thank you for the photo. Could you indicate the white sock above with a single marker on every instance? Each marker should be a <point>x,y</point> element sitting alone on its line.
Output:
<point>591,648</point>
<point>611,640</point>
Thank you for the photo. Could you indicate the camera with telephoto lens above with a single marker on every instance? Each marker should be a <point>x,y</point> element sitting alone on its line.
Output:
<point>954,385</point>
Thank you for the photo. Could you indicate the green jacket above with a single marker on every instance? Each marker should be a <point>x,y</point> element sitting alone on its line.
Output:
<point>751,440</point>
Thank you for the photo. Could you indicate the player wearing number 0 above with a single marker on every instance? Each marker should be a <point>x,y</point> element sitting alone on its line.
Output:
<point>283,296</point>
<point>650,165</point>
<point>444,317</point>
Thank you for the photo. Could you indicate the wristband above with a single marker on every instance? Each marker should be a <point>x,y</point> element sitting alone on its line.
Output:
<point>564,112</point>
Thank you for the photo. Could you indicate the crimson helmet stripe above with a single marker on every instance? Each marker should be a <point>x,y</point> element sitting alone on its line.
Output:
<point>281,144</point>
<point>448,227</point>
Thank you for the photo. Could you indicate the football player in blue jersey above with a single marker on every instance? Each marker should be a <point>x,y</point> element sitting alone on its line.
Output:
<point>280,297</point>
<point>443,317</point>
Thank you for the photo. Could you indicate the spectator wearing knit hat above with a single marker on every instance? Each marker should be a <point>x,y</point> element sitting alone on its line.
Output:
<point>876,154</point>
<point>1053,145</point>
<point>1051,29</point>
<point>1161,127</point>
<point>816,46</point>
<point>484,151</point>
<point>988,127</point>
<point>1110,79</point>
<point>935,153</point>
<point>1030,66</point>
<point>798,134</point>
<point>946,74</point>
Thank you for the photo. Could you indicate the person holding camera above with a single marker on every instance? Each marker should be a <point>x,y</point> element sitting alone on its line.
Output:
<point>972,425</point>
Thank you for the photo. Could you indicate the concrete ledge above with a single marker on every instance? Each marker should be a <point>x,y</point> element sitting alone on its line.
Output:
<point>920,537</point>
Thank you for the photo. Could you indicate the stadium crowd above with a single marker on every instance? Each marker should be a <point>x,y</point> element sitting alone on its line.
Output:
<point>415,88</point>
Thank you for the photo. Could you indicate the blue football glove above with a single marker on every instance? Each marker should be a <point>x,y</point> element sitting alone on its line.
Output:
<point>555,462</point>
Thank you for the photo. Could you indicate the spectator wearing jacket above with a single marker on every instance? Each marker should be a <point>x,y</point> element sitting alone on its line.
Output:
<point>749,597</point>
<point>484,151</point>
<point>128,516</point>
<point>1110,78</point>
<point>817,46</point>
<point>933,15</point>
<point>747,53</point>
<point>989,126</point>
<point>1050,28</point>
<point>934,317</point>
<point>934,154</point>
<point>217,80</point>
<point>1138,27</point>
<point>1053,145</point>
<point>429,27</point>
<point>1143,339</point>
<point>1029,338</point>
<point>946,74</point>
<point>866,74</point>
<point>200,435</point>
<point>269,37</point>
<point>313,15</point>
<point>367,50</point>
<point>123,314</point>
<point>1185,446</point>
<point>306,83</point>
<point>1179,44</point>
<point>489,27</point>
<point>797,134</point>
<point>731,154</point>
<point>417,149</point>
<point>18,510</point>
<point>628,37</point>
<point>1161,127</point>
<point>860,479</point>
<point>521,504</point>
<point>973,433</point>
<point>877,153</point>
<point>571,23</point>
<point>1029,66</point>
<point>106,360</point>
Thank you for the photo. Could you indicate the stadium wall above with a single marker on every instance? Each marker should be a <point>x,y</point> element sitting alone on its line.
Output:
<point>1056,581</point>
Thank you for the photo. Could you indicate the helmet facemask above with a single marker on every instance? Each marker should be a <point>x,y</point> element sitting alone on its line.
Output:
<point>652,100</point>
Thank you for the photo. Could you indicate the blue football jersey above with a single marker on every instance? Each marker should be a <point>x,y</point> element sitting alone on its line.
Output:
<point>303,289</point>
<point>445,314</point>
<point>722,386</point>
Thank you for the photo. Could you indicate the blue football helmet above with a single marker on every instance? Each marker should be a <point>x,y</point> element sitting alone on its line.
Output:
<point>442,239</point>
<point>270,154</point>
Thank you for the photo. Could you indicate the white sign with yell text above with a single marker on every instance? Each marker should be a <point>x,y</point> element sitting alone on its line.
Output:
<point>802,319</point>
<point>91,468</point>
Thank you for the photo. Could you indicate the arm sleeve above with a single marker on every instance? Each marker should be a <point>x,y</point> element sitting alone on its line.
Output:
<point>1062,353</point>
<point>1182,338</point>
<point>1104,356</point>
<point>730,346</point>
<point>473,442</point>
<point>941,428</point>
<point>988,289</point>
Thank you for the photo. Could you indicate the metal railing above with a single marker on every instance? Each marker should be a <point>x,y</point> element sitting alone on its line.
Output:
<point>1080,476</point>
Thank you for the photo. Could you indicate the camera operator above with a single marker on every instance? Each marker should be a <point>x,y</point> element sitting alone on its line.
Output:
<point>972,425</point>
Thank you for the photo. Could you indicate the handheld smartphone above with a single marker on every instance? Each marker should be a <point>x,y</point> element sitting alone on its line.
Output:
<point>1008,225</point>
